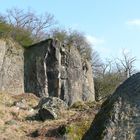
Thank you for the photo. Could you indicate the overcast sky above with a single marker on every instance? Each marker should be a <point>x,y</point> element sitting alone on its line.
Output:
<point>110,25</point>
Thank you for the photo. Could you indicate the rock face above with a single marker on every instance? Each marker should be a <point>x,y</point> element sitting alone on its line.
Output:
<point>11,67</point>
<point>119,117</point>
<point>46,69</point>
<point>52,69</point>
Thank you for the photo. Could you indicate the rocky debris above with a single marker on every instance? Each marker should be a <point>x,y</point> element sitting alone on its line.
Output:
<point>51,107</point>
<point>119,117</point>
<point>11,67</point>
<point>52,102</point>
<point>52,69</point>
<point>20,104</point>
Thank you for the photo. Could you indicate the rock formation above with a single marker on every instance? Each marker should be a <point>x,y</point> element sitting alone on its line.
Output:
<point>119,117</point>
<point>47,68</point>
<point>52,69</point>
<point>51,108</point>
<point>11,67</point>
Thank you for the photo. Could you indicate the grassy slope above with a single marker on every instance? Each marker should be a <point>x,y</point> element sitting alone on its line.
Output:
<point>16,123</point>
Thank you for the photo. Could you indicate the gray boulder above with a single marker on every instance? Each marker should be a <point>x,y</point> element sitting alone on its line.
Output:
<point>119,117</point>
<point>52,102</point>
<point>46,113</point>
<point>51,107</point>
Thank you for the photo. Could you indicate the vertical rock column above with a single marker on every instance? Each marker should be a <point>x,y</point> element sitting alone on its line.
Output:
<point>35,69</point>
<point>53,66</point>
<point>11,67</point>
<point>88,83</point>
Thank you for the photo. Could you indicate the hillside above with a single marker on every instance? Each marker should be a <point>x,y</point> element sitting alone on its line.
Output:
<point>19,120</point>
<point>46,91</point>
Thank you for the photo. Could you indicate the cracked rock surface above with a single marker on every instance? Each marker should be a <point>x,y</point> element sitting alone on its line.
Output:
<point>52,69</point>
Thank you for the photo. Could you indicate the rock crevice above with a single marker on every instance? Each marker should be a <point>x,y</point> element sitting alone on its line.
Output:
<point>60,71</point>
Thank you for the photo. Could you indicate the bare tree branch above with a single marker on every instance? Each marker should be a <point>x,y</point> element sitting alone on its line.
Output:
<point>28,20</point>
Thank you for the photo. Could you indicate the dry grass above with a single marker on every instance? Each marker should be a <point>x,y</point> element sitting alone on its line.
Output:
<point>16,125</point>
<point>13,123</point>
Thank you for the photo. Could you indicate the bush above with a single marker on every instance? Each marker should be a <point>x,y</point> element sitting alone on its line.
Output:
<point>105,86</point>
<point>23,37</point>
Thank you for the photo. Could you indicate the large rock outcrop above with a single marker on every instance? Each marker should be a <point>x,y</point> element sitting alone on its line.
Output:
<point>119,117</point>
<point>52,69</point>
<point>11,67</point>
<point>47,68</point>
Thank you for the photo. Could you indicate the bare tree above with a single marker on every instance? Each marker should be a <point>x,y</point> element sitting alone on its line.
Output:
<point>127,64</point>
<point>96,63</point>
<point>28,20</point>
<point>100,68</point>
<point>108,75</point>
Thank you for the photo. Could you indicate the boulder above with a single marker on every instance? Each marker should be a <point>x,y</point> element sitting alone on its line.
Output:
<point>51,108</point>
<point>119,117</point>
<point>53,102</point>
<point>46,113</point>
<point>22,104</point>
